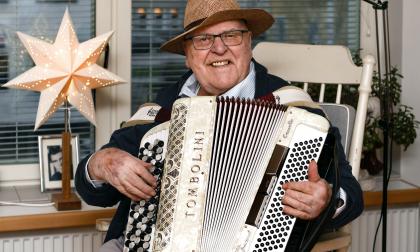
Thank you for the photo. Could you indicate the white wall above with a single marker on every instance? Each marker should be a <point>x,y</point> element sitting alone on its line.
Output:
<point>410,67</point>
<point>405,54</point>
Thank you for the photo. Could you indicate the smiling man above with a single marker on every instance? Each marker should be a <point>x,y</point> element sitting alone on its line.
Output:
<point>216,43</point>
<point>219,62</point>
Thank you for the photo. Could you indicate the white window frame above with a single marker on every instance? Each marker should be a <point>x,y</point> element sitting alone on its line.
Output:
<point>112,103</point>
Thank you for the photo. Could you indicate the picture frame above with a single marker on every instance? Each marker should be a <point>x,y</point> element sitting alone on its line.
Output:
<point>50,160</point>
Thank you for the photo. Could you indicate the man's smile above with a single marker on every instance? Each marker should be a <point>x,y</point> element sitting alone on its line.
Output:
<point>220,63</point>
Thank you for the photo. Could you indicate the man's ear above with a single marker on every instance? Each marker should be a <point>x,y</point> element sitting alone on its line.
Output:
<point>186,63</point>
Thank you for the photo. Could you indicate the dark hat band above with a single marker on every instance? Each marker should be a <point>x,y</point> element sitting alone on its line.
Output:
<point>194,24</point>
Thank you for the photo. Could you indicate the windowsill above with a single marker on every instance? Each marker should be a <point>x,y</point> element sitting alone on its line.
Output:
<point>395,183</point>
<point>400,192</point>
<point>21,218</point>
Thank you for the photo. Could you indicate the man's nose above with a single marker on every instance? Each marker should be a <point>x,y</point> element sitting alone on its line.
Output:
<point>219,46</point>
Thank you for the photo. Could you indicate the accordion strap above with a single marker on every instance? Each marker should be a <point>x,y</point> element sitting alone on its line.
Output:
<point>145,114</point>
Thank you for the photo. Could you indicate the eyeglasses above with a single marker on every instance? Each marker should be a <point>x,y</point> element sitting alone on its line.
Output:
<point>229,38</point>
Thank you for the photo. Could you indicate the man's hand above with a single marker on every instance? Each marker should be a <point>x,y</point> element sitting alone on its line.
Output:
<point>127,174</point>
<point>307,199</point>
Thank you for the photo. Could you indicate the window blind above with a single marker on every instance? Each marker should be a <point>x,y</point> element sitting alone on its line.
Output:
<point>18,108</point>
<point>296,21</point>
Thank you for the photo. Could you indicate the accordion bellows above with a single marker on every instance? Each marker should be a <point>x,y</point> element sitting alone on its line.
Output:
<point>225,163</point>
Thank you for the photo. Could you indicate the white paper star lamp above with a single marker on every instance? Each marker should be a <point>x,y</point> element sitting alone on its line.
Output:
<point>65,72</point>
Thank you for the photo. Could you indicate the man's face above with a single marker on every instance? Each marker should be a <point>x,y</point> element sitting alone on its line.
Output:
<point>221,67</point>
<point>56,161</point>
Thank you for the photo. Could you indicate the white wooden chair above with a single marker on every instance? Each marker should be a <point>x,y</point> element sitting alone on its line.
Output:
<point>326,65</point>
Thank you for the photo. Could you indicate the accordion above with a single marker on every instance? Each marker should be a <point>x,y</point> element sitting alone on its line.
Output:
<point>221,164</point>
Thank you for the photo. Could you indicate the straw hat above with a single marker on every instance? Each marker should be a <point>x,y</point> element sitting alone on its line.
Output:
<point>201,13</point>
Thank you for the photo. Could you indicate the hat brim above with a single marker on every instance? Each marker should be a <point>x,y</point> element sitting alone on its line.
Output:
<point>257,21</point>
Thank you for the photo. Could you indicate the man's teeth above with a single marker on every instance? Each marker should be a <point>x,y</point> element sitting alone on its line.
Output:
<point>220,63</point>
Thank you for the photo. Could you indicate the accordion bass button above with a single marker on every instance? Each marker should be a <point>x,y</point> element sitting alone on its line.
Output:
<point>151,207</point>
<point>144,220</point>
<point>159,166</point>
<point>131,245</point>
<point>138,232</point>
<point>148,146</point>
<point>146,245</point>
<point>159,150</point>
<point>158,157</point>
<point>147,238</point>
<point>143,226</point>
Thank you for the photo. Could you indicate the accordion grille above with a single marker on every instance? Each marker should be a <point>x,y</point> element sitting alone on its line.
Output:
<point>172,166</point>
<point>244,138</point>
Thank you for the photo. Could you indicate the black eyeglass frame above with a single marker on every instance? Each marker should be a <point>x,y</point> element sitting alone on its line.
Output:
<point>214,36</point>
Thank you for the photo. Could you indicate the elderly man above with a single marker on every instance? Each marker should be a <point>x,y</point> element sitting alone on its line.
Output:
<point>217,46</point>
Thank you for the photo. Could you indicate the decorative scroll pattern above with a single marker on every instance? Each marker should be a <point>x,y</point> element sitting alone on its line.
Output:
<point>171,176</point>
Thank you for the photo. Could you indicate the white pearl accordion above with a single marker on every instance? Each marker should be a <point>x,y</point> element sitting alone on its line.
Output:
<point>221,164</point>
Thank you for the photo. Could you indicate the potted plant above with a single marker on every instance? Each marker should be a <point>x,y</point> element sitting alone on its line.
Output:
<point>402,123</point>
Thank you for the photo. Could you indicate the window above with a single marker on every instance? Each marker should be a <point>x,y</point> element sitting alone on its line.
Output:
<point>298,21</point>
<point>18,108</point>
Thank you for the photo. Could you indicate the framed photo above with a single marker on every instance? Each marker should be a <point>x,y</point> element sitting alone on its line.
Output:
<point>51,158</point>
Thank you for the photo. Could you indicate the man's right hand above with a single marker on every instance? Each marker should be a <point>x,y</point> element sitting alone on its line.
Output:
<point>127,174</point>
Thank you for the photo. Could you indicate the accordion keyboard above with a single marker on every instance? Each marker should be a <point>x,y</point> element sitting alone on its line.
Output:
<point>275,227</point>
<point>142,214</point>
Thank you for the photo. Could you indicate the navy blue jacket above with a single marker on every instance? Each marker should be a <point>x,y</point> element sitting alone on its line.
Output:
<point>128,139</point>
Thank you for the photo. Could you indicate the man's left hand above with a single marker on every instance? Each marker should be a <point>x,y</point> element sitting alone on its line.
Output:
<point>307,199</point>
